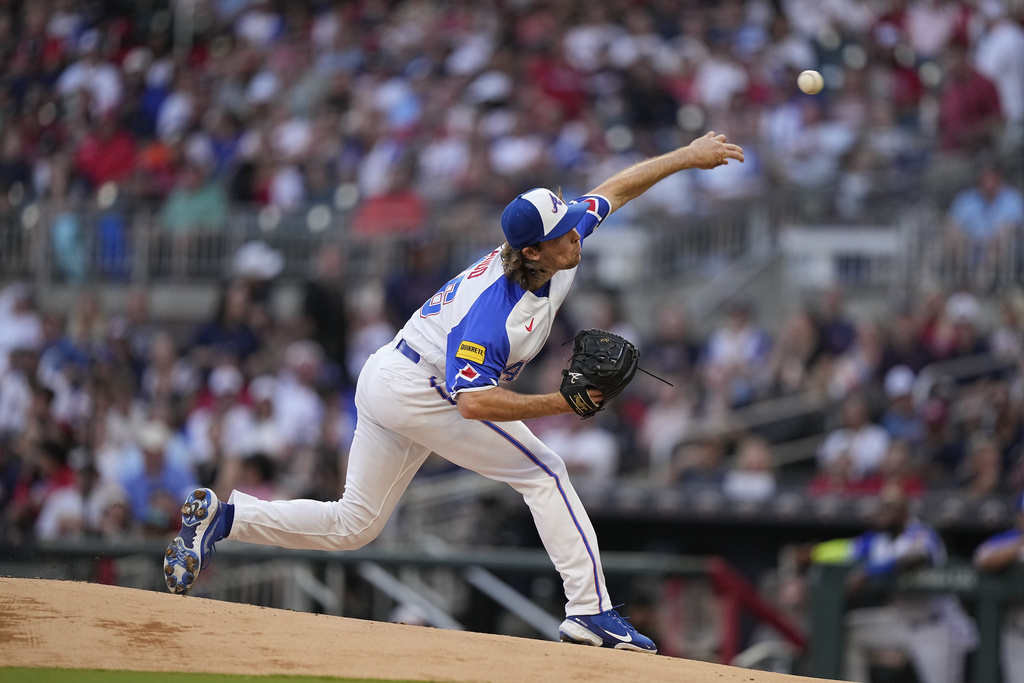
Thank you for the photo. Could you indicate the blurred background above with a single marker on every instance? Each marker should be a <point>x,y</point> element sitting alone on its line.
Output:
<point>212,211</point>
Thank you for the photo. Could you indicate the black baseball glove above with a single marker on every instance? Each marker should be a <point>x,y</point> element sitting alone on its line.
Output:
<point>600,360</point>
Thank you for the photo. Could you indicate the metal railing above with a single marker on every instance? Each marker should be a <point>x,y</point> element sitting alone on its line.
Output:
<point>896,254</point>
<point>936,258</point>
<point>126,241</point>
<point>49,245</point>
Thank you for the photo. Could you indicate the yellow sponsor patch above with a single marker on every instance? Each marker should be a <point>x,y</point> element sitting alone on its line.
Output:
<point>471,352</point>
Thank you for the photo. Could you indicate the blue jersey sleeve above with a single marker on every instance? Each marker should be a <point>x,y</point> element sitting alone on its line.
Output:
<point>599,209</point>
<point>999,541</point>
<point>917,540</point>
<point>478,347</point>
<point>861,547</point>
<point>862,555</point>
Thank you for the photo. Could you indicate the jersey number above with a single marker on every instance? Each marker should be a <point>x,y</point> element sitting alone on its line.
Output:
<point>512,371</point>
<point>443,296</point>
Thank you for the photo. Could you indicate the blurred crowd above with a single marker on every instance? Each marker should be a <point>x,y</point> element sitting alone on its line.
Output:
<point>392,108</point>
<point>891,415</point>
<point>107,418</point>
<point>395,108</point>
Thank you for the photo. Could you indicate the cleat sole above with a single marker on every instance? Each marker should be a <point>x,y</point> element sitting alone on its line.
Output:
<point>190,551</point>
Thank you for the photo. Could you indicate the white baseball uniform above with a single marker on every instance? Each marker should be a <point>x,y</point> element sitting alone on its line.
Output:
<point>932,629</point>
<point>479,330</point>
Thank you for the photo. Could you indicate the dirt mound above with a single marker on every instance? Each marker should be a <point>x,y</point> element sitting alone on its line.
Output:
<point>82,625</point>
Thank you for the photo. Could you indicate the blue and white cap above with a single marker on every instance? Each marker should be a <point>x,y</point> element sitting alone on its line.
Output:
<point>537,216</point>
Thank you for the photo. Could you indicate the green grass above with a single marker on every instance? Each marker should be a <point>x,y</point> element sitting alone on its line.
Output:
<point>46,675</point>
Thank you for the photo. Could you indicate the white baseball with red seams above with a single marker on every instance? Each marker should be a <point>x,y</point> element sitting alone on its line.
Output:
<point>810,82</point>
<point>478,331</point>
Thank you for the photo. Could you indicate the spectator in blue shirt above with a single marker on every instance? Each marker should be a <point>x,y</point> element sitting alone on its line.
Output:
<point>155,489</point>
<point>979,222</point>
<point>901,418</point>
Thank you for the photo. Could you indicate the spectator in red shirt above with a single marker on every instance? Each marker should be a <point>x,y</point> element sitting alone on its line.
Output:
<point>47,471</point>
<point>969,113</point>
<point>559,80</point>
<point>106,154</point>
<point>898,470</point>
<point>399,210</point>
<point>837,478</point>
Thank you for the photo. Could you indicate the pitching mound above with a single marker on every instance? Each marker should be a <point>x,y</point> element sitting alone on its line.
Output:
<point>89,626</point>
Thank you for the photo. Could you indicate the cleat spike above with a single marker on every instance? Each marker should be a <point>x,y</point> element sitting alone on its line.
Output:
<point>168,570</point>
<point>199,494</point>
<point>200,513</point>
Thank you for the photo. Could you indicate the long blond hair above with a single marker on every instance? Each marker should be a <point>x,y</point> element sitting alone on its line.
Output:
<point>521,270</point>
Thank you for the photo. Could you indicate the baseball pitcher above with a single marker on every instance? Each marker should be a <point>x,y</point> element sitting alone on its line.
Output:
<point>437,387</point>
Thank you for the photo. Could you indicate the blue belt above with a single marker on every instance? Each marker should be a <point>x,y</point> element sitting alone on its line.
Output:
<point>408,351</point>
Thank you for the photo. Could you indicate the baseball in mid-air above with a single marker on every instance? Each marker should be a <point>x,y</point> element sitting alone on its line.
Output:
<point>810,82</point>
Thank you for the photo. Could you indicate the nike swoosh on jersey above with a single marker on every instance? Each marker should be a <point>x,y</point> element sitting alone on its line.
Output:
<point>529,328</point>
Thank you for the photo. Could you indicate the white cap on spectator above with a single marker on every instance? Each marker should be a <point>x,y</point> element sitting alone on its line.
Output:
<point>492,86</point>
<point>262,388</point>
<point>899,381</point>
<point>137,60</point>
<point>226,379</point>
<point>963,308</point>
<point>153,436</point>
<point>303,352</point>
<point>262,88</point>
<point>107,496</point>
<point>257,260</point>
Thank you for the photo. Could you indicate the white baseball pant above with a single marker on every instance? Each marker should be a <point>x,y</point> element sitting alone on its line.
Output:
<point>931,644</point>
<point>404,415</point>
<point>1011,645</point>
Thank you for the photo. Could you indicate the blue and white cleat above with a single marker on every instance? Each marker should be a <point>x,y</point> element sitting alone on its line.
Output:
<point>607,629</point>
<point>202,525</point>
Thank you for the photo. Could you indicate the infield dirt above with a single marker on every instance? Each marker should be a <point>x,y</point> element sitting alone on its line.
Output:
<point>90,626</point>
